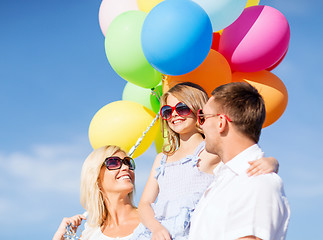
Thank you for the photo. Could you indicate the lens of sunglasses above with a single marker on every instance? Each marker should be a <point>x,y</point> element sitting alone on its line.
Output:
<point>200,117</point>
<point>166,112</point>
<point>113,163</point>
<point>129,162</point>
<point>181,108</point>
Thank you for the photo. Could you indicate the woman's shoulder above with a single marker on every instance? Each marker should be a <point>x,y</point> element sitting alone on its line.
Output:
<point>90,232</point>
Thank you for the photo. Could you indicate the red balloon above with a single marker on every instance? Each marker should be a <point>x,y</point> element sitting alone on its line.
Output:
<point>216,41</point>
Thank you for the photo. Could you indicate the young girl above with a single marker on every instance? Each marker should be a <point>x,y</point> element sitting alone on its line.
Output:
<point>180,174</point>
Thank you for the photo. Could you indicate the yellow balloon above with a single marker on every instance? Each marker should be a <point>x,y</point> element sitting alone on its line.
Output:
<point>252,3</point>
<point>122,123</point>
<point>159,142</point>
<point>147,5</point>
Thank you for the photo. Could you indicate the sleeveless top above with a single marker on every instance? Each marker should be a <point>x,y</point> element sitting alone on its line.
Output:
<point>91,233</point>
<point>181,185</point>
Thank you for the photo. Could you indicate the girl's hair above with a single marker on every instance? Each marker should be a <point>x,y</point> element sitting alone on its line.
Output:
<point>92,198</point>
<point>194,97</point>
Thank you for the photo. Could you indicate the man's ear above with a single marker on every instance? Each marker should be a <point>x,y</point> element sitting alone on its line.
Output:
<point>222,124</point>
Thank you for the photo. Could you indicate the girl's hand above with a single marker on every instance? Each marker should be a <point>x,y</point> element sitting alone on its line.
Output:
<point>161,234</point>
<point>75,221</point>
<point>263,166</point>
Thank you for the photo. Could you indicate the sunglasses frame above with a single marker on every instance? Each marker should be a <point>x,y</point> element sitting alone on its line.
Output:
<point>122,161</point>
<point>206,116</point>
<point>173,109</point>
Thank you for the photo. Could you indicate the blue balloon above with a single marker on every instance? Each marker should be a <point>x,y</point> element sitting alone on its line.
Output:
<point>176,36</point>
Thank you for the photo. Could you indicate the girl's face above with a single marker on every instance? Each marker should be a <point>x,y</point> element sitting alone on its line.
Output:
<point>119,181</point>
<point>180,124</point>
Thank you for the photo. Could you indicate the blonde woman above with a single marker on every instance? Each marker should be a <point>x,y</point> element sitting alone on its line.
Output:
<point>184,170</point>
<point>107,184</point>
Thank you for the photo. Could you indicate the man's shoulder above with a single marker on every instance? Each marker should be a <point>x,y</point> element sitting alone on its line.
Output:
<point>270,182</point>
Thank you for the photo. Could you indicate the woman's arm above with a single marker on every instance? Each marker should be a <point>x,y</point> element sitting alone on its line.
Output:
<point>146,213</point>
<point>75,221</point>
<point>263,166</point>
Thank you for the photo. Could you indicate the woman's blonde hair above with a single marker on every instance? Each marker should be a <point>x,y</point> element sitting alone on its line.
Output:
<point>194,97</point>
<point>92,198</point>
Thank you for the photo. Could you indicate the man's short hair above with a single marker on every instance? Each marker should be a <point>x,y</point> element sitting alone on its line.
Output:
<point>243,104</point>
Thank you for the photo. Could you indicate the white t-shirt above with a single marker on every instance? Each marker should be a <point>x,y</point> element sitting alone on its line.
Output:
<point>236,205</point>
<point>96,234</point>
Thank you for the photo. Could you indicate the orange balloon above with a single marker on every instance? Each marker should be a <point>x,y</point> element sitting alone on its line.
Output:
<point>271,88</point>
<point>213,72</point>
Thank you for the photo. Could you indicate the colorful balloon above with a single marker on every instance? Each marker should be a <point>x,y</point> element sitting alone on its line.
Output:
<point>222,12</point>
<point>272,90</point>
<point>122,123</point>
<point>110,9</point>
<point>147,5</point>
<point>213,72</point>
<point>256,40</point>
<point>159,142</point>
<point>147,97</point>
<point>216,41</point>
<point>277,63</point>
<point>176,42</point>
<point>251,3</point>
<point>124,52</point>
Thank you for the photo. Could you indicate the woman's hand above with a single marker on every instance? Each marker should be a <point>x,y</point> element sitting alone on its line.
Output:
<point>263,166</point>
<point>75,221</point>
<point>160,234</point>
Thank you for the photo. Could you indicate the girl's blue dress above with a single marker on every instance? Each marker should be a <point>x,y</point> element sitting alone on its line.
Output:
<point>181,185</point>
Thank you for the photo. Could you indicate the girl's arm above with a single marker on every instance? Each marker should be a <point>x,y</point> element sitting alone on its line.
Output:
<point>263,166</point>
<point>146,213</point>
<point>75,221</point>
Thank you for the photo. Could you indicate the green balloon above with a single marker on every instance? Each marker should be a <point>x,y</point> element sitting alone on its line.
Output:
<point>124,52</point>
<point>144,96</point>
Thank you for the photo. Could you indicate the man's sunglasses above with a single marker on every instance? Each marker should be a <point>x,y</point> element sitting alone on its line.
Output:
<point>182,109</point>
<point>201,117</point>
<point>114,163</point>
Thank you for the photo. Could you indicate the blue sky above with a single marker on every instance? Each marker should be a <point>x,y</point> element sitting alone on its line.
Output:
<point>54,76</point>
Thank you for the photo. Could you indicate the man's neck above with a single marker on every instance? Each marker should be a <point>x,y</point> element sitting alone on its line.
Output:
<point>232,148</point>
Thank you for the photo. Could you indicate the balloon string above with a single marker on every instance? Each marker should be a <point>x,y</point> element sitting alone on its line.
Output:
<point>132,150</point>
<point>156,93</point>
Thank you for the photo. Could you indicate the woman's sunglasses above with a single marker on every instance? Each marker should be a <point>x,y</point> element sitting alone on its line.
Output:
<point>182,109</point>
<point>201,117</point>
<point>114,163</point>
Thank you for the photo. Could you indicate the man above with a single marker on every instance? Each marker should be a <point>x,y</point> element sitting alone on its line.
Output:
<point>236,206</point>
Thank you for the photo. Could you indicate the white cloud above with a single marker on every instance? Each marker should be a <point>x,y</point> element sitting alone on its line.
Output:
<point>50,168</point>
<point>43,182</point>
<point>36,184</point>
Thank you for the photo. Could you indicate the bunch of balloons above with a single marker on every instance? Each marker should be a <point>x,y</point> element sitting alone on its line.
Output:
<point>156,44</point>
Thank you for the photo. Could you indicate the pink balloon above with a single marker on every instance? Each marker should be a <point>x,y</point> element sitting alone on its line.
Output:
<point>277,63</point>
<point>256,40</point>
<point>110,9</point>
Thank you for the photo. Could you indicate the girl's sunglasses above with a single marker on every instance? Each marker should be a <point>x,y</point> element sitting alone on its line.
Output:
<point>201,117</point>
<point>182,109</point>
<point>114,163</point>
